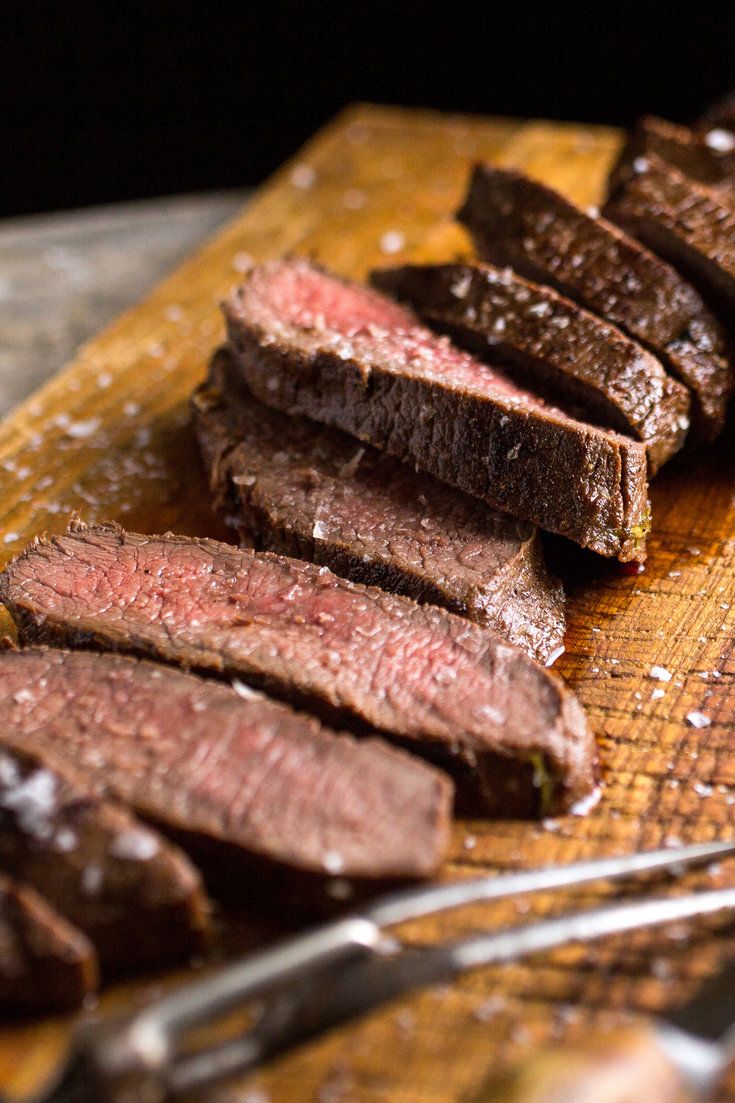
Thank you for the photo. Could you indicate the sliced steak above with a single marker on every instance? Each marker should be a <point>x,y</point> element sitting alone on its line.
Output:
<point>223,772</point>
<point>693,154</point>
<point>687,223</point>
<point>46,964</point>
<point>351,652</point>
<point>139,899</point>
<point>718,124</point>
<point>518,221</point>
<point>302,489</point>
<point>312,344</point>
<point>553,344</point>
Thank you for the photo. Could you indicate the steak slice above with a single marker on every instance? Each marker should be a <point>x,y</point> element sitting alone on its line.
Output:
<point>373,659</point>
<point>298,488</point>
<point>46,964</point>
<point>692,153</point>
<point>312,344</point>
<point>224,773</point>
<point>137,898</point>
<point>688,224</point>
<point>518,221</point>
<point>554,345</point>
<point>719,119</point>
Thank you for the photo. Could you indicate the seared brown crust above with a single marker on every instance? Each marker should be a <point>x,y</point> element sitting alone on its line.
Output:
<point>458,419</point>
<point>298,488</point>
<point>137,897</point>
<point>720,116</point>
<point>518,221</point>
<point>688,224</point>
<point>46,964</point>
<point>686,150</point>
<point>377,660</point>
<point>557,346</point>
<point>244,781</point>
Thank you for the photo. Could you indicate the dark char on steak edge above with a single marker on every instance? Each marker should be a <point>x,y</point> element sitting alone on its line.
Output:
<point>552,343</point>
<point>520,222</point>
<point>46,964</point>
<point>312,344</point>
<point>690,225</point>
<point>353,653</point>
<point>302,489</point>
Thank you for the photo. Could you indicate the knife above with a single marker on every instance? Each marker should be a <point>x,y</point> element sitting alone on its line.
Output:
<point>676,1058</point>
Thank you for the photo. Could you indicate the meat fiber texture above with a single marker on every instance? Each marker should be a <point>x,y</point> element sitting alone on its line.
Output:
<point>689,224</point>
<point>553,344</point>
<point>137,897</point>
<point>519,222</point>
<point>312,344</point>
<point>46,964</point>
<point>298,488</point>
<point>349,652</point>
<point>224,769</point>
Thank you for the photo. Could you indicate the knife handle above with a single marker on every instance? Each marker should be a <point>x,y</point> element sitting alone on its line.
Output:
<point>624,1065</point>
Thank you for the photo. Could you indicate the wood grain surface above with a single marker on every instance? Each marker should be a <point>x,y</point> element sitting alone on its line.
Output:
<point>110,438</point>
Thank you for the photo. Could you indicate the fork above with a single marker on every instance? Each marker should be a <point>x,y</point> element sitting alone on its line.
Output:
<point>339,970</point>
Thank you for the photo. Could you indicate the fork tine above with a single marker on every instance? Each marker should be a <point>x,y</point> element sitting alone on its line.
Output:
<point>376,980</point>
<point>585,926</point>
<point>417,902</point>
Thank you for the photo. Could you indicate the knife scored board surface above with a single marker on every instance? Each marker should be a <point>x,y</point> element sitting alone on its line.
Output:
<point>110,438</point>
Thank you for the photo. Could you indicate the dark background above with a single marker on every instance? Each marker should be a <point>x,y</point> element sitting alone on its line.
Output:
<point>108,101</point>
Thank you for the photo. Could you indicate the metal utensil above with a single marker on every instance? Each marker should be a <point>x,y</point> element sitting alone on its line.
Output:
<point>335,972</point>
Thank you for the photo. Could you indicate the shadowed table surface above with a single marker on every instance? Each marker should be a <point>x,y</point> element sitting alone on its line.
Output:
<point>63,276</point>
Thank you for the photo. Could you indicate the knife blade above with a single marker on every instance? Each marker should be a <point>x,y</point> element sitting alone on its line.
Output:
<point>677,1057</point>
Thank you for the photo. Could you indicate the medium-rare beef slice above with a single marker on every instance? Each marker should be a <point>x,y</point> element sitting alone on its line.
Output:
<point>375,660</point>
<point>686,150</point>
<point>687,223</point>
<point>46,964</point>
<point>137,897</point>
<point>517,221</point>
<point>312,344</point>
<point>302,489</point>
<point>227,774</point>
<point>553,343</point>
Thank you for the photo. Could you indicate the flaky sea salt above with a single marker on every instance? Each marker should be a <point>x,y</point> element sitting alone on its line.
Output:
<point>719,139</point>
<point>392,242</point>
<point>333,862</point>
<point>698,720</point>
<point>660,674</point>
<point>136,845</point>
<point>80,430</point>
<point>303,176</point>
<point>243,691</point>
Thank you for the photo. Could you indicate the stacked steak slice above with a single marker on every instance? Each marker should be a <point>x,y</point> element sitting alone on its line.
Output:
<point>136,897</point>
<point>305,490</point>
<point>701,157</point>
<point>517,221</point>
<point>689,224</point>
<point>227,772</point>
<point>553,344</point>
<point>46,964</point>
<point>314,345</point>
<point>351,653</point>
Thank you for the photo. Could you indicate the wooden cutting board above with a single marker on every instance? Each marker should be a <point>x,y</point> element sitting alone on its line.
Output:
<point>110,437</point>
